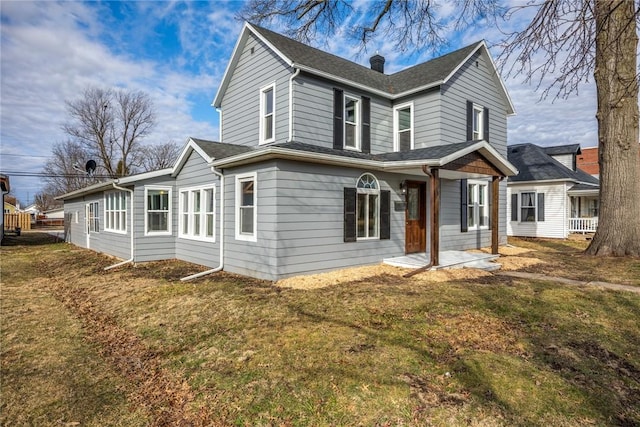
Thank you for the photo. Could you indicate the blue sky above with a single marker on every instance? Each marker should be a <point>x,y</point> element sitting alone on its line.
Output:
<point>177,52</point>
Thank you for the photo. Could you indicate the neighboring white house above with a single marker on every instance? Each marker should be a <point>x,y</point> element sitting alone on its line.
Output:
<point>550,197</point>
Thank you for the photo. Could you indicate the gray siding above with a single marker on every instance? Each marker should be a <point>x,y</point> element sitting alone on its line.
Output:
<point>115,244</point>
<point>196,173</point>
<point>451,236</point>
<point>476,84</point>
<point>311,220</point>
<point>313,114</point>
<point>241,102</point>
<point>300,222</point>
<point>255,259</point>
<point>153,247</point>
<point>427,118</point>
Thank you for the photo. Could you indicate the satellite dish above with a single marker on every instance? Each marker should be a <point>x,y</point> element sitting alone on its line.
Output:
<point>90,167</point>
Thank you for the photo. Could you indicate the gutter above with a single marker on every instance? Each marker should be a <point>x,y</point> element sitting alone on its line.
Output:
<point>221,263</point>
<point>132,229</point>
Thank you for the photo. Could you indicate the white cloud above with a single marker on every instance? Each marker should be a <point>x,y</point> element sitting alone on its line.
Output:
<point>50,53</point>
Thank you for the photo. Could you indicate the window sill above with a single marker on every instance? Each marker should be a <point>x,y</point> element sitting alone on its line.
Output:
<point>198,238</point>
<point>158,233</point>
<point>115,231</point>
<point>247,237</point>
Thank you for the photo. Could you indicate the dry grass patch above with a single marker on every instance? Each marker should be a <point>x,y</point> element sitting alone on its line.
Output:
<point>451,347</point>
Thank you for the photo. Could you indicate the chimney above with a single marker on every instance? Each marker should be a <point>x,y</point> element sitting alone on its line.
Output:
<point>377,63</point>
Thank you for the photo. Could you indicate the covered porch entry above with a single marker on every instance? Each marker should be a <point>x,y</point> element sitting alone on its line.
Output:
<point>476,166</point>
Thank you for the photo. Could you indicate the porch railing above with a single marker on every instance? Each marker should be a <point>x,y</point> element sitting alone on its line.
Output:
<point>583,225</point>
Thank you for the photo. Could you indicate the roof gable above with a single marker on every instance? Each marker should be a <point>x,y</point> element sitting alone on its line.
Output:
<point>419,77</point>
<point>208,150</point>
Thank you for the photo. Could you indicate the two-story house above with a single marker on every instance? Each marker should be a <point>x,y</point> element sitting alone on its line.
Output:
<point>323,164</point>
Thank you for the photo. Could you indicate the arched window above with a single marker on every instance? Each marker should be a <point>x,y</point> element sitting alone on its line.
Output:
<point>368,207</point>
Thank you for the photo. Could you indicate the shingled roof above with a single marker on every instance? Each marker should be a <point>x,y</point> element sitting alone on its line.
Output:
<point>419,77</point>
<point>425,74</point>
<point>535,164</point>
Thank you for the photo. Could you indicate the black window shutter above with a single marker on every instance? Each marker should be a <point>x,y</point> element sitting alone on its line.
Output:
<point>349,214</point>
<point>338,119</point>
<point>385,215</point>
<point>540,206</point>
<point>485,126</point>
<point>469,120</point>
<point>514,207</point>
<point>366,125</point>
<point>464,206</point>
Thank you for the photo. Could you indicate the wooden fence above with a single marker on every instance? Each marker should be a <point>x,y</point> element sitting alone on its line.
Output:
<point>17,220</point>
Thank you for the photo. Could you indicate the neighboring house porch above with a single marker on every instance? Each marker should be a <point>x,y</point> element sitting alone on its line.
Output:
<point>584,202</point>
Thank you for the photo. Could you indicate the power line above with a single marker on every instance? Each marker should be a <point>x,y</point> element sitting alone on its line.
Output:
<point>48,175</point>
<point>23,155</point>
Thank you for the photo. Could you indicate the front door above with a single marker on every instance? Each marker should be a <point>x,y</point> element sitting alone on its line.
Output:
<point>416,218</point>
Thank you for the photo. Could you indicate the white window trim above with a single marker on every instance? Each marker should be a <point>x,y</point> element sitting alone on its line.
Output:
<point>358,123</point>
<point>203,213</point>
<point>261,139</point>
<point>239,179</point>
<point>107,225</point>
<point>535,207</point>
<point>376,191</point>
<point>480,109</point>
<point>91,220</point>
<point>77,217</point>
<point>476,204</point>
<point>396,125</point>
<point>168,232</point>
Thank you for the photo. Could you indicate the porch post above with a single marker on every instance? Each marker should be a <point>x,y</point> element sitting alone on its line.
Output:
<point>495,201</point>
<point>435,216</point>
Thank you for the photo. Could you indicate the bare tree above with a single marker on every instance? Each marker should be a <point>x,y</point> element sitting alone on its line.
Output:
<point>110,126</point>
<point>160,156</point>
<point>65,169</point>
<point>600,37</point>
<point>45,201</point>
<point>410,24</point>
<point>575,37</point>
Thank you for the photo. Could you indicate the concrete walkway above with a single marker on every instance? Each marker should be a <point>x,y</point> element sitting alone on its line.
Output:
<point>605,285</point>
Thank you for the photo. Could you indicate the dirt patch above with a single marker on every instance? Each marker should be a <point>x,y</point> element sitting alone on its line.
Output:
<point>513,263</point>
<point>168,398</point>
<point>372,272</point>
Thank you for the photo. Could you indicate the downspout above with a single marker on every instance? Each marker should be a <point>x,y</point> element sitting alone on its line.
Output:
<point>221,263</point>
<point>132,229</point>
<point>293,76</point>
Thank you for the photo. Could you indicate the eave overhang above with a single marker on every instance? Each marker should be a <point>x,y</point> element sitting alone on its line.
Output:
<point>269,153</point>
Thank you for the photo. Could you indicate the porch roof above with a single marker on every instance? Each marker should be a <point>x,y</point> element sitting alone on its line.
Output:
<point>584,190</point>
<point>434,156</point>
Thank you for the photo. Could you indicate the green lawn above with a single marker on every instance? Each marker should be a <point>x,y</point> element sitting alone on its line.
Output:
<point>136,347</point>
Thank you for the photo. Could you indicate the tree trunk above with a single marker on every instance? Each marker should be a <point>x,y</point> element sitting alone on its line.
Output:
<point>618,230</point>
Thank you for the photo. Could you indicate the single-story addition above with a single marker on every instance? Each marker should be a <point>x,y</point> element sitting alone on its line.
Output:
<point>324,164</point>
<point>550,197</point>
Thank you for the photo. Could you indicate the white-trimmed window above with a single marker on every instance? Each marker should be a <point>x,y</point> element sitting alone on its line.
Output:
<point>157,209</point>
<point>267,114</point>
<point>477,209</point>
<point>528,206</point>
<point>197,213</point>
<point>93,220</point>
<point>351,122</point>
<point>403,127</point>
<point>477,123</point>
<point>367,207</point>
<point>115,211</point>
<point>246,207</point>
